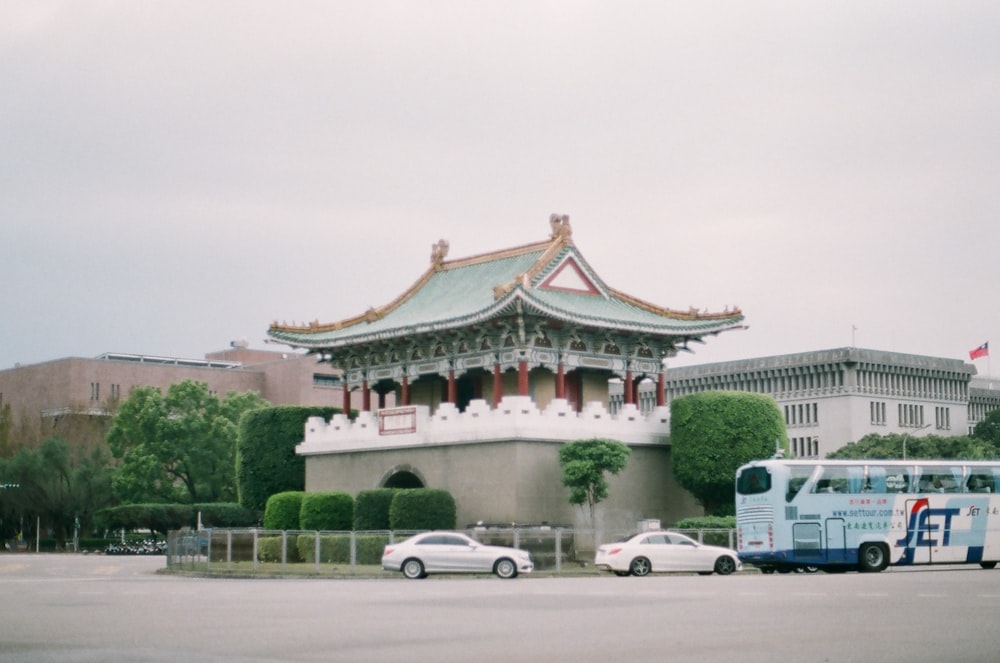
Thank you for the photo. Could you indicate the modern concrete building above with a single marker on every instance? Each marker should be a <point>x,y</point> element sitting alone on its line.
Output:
<point>832,397</point>
<point>75,398</point>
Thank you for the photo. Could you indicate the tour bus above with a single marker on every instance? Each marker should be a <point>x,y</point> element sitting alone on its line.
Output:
<point>837,515</point>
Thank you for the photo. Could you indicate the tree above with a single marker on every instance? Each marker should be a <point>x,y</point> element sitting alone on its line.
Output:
<point>584,464</point>
<point>713,433</point>
<point>56,484</point>
<point>926,447</point>
<point>178,447</point>
<point>987,432</point>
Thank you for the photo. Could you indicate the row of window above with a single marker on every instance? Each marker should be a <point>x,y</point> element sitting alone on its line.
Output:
<point>95,391</point>
<point>804,447</point>
<point>801,413</point>
<point>757,382</point>
<point>895,479</point>
<point>934,387</point>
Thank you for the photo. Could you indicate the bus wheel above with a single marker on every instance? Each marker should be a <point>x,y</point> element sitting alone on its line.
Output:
<point>872,558</point>
<point>988,565</point>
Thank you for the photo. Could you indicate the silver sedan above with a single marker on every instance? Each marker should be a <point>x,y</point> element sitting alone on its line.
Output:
<point>651,552</point>
<point>453,552</point>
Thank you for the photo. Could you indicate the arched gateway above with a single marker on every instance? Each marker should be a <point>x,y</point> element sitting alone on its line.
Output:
<point>494,361</point>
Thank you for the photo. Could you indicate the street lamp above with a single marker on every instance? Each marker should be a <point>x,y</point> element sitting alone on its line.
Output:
<point>906,434</point>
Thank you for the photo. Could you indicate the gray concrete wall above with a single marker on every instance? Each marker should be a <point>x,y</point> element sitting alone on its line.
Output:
<point>513,481</point>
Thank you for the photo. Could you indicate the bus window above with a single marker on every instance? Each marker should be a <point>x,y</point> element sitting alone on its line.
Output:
<point>980,481</point>
<point>796,479</point>
<point>876,479</point>
<point>935,479</point>
<point>897,479</point>
<point>840,479</point>
<point>753,481</point>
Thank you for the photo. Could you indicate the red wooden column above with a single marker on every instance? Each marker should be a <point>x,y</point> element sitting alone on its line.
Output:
<point>497,384</point>
<point>661,389</point>
<point>560,380</point>
<point>452,391</point>
<point>366,397</point>
<point>404,391</point>
<point>522,378</point>
<point>347,399</point>
<point>629,396</point>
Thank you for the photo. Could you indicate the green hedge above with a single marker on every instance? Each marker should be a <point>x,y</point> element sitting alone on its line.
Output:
<point>269,549</point>
<point>707,522</point>
<point>336,548</point>
<point>422,509</point>
<point>283,509</point>
<point>327,512</point>
<point>371,509</point>
<point>266,462</point>
<point>161,518</point>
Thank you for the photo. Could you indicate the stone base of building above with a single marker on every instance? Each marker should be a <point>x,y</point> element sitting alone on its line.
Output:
<point>512,482</point>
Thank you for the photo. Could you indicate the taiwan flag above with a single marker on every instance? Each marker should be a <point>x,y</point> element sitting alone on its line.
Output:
<point>982,351</point>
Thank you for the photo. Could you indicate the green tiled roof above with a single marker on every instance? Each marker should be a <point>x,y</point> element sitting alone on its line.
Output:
<point>458,293</point>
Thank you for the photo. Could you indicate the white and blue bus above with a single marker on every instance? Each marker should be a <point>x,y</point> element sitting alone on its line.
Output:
<point>867,514</point>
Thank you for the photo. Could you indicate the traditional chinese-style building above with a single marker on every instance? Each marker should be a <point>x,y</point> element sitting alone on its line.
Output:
<point>492,362</point>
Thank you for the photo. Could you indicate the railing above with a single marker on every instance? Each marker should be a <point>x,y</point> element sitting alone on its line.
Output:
<point>252,552</point>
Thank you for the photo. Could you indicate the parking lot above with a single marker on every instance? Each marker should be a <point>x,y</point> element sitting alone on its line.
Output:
<point>99,608</point>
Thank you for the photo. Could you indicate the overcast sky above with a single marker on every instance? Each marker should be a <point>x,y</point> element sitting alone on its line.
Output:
<point>177,175</point>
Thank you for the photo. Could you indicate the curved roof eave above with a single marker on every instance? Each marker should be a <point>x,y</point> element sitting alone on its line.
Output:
<point>505,305</point>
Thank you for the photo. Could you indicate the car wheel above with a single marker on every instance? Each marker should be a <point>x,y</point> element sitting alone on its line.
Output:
<point>413,569</point>
<point>725,565</point>
<point>639,567</point>
<point>872,558</point>
<point>505,568</point>
<point>988,565</point>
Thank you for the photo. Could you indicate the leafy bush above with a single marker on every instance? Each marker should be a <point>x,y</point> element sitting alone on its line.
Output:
<point>371,509</point>
<point>225,515</point>
<point>266,462</point>
<point>283,509</point>
<point>336,548</point>
<point>707,522</point>
<point>327,512</point>
<point>158,518</point>
<point>422,509</point>
<point>269,550</point>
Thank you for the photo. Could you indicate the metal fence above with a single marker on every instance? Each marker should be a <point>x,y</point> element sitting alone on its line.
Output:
<point>249,552</point>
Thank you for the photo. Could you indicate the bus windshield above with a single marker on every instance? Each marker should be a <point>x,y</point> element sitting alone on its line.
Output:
<point>753,481</point>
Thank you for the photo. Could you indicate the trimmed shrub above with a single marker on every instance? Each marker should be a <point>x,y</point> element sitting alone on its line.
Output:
<point>158,518</point>
<point>422,509</point>
<point>225,515</point>
<point>269,549</point>
<point>336,548</point>
<point>371,509</point>
<point>707,522</point>
<point>266,462</point>
<point>327,512</point>
<point>282,511</point>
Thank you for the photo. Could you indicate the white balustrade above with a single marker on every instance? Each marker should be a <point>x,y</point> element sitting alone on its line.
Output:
<point>515,418</point>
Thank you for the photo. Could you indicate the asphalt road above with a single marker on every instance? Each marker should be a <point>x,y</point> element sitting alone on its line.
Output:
<point>99,608</point>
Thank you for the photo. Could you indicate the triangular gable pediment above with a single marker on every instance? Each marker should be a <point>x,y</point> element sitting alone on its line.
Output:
<point>569,277</point>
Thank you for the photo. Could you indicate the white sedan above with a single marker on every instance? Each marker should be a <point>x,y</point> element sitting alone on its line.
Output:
<point>651,552</point>
<point>453,552</point>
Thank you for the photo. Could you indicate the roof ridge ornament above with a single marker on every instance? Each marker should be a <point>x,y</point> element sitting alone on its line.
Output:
<point>560,226</point>
<point>439,252</point>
